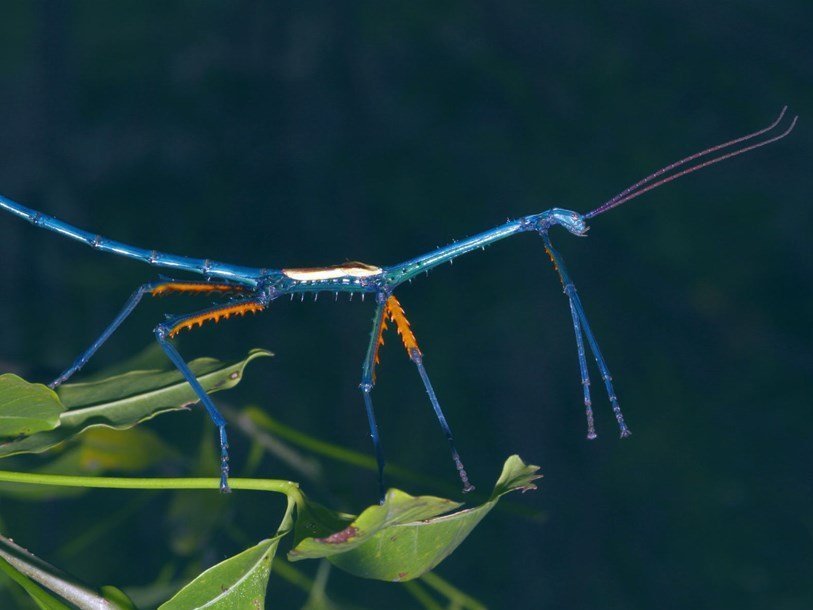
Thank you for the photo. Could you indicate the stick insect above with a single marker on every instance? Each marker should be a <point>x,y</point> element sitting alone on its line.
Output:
<point>249,289</point>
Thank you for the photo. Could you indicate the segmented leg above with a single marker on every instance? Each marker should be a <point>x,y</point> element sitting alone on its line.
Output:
<point>368,382</point>
<point>588,405</point>
<point>396,314</point>
<point>155,289</point>
<point>569,290</point>
<point>580,324</point>
<point>166,330</point>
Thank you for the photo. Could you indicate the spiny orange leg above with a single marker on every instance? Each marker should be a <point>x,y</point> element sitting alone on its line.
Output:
<point>166,330</point>
<point>396,314</point>
<point>213,314</point>
<point>156,289</point>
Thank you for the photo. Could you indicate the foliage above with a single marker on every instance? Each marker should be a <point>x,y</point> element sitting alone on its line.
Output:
<point>89,428</point>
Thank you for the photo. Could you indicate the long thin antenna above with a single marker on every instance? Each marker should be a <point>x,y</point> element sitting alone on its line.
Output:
<point>697,155</point>
<point>635,190</point>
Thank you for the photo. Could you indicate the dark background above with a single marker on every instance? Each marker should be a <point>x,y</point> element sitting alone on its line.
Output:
<point>313,133</point>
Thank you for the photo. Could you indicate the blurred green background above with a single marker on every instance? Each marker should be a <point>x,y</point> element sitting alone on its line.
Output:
<point>311,133</point>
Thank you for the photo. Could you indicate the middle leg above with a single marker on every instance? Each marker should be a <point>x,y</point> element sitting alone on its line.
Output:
<point>396,314</point>
<point>164,333</point>
<point>368,382</point>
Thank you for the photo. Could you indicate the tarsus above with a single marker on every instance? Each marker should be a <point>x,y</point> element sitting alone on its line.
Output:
<point>635,190</point>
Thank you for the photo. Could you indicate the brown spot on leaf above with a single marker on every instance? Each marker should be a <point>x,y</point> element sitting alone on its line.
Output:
<point>340,536</point>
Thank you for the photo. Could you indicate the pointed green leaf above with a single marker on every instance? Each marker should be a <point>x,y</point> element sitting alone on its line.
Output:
<point>124,400</point>
<point>151,358</point>
<point>117,597</point>
<point>407,536</point>
<point>26,408</point>
<point>238,583</point>
<point>398,508</point>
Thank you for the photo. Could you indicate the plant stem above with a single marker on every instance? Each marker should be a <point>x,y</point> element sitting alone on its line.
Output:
<point>289,488</point>
<point>451,592</point>
<point>420,594</point>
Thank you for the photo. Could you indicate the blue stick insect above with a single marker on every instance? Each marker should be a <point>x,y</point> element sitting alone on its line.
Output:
<point>250,289</point>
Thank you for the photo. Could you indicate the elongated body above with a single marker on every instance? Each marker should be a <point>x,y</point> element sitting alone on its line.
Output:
<point>353,277</point>
<point>251,289</point>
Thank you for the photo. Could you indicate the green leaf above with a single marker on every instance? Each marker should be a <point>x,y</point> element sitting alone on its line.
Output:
<point>117,597</point>
<point>238,583</point>
<point>407,536</point>
<point>124,400</point>
<point>398,508</point>
<point>151,358</point>
<point>32,573</point>
<point>26,408</point>
<point>103,449</point>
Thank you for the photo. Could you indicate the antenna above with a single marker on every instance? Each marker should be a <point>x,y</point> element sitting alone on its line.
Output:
<point>633,191</point>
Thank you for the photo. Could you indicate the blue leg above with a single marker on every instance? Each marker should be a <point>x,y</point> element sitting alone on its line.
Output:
<point>166,330</point>
<point>366,387</point>
<point>588,405</point>
<point>416,357</point>
<point>154,288</point>
<point>602,367</point>
<point>580,324</point>
<point>162,334</point>
<point>397,315</point>
<point>129,306</point>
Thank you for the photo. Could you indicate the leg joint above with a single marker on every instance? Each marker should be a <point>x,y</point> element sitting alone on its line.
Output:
<point>162,331</point>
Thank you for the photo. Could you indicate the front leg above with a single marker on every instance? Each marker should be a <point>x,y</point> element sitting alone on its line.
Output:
<point>580,324</point>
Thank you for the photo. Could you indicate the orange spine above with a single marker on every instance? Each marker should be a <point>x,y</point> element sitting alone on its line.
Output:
<point>397,315</point>
<point>555,265</point>
<point>379,341</point>
<point>215,315</point>
<point>199,287</point>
